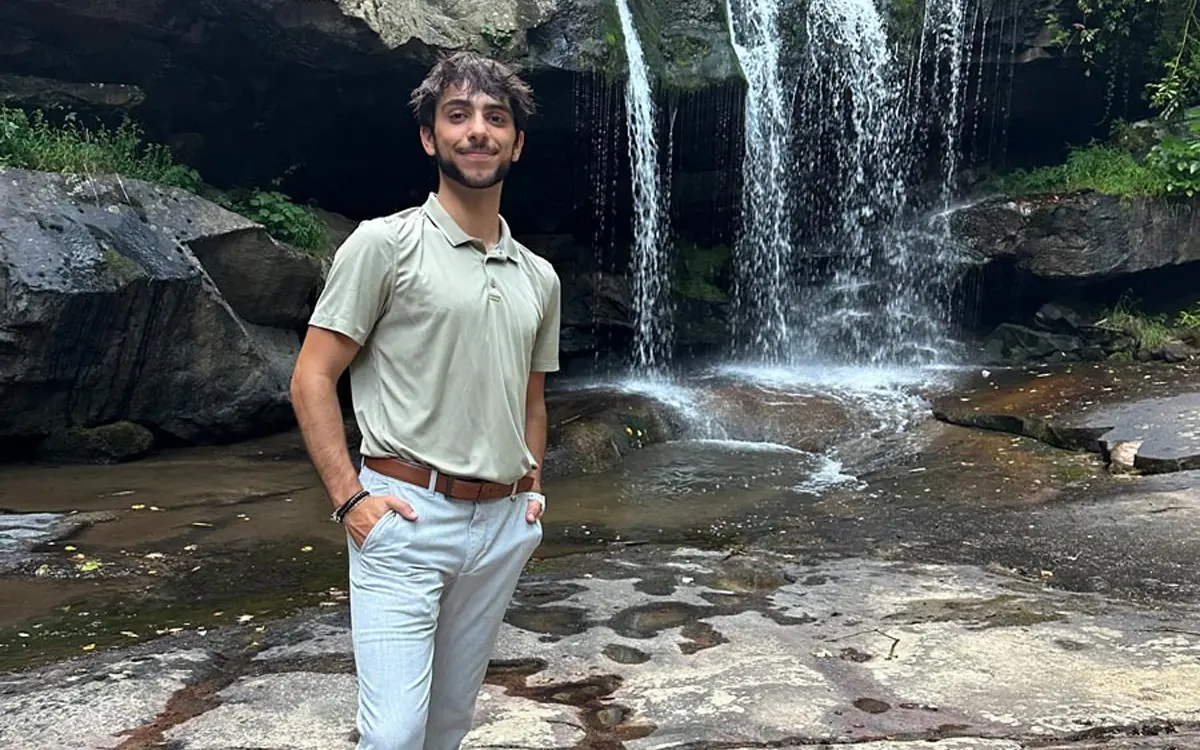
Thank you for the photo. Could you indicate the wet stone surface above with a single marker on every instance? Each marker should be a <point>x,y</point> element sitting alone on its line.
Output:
<point>976,590</point>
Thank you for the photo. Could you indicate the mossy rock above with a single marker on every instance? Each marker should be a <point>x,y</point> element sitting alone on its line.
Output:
<point>591,432</point>
<point>110,443</point>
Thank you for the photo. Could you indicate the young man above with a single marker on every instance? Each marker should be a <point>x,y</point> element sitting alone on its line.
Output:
<point>448,326</point>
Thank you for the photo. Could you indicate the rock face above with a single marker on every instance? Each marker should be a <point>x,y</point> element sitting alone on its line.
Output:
<point>109,316</point>
<point>1081,236</point>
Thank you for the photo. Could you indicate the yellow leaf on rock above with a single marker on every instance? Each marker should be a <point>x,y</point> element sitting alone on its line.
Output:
<point>89,647</point>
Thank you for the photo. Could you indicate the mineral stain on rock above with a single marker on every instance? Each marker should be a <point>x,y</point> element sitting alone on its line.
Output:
<point>625,654</point>
<point>648,620</point>
<point>605,723</point>
<point>701,635</point>
<point>558,621</point>
<point>872,706</point>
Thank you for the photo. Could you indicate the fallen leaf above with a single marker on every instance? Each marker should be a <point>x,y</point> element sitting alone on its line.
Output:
<point>202,524</point>
<point>89,647</point>
<point>139,506</point>
<point>245,618</point>
<point>190,548</point>
<point>70,548</point>
<point>130,633</point>
<point>89,566</point>
<point>154,556</point>
<point>306,548</point>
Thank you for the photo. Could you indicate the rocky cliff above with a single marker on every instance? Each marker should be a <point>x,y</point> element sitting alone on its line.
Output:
<point>125,302</point>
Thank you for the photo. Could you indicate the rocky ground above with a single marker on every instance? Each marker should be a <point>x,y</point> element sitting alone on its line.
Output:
<point>985,590</point>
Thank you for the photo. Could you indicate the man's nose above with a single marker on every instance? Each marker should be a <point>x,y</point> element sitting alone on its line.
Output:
<point>477,129</point>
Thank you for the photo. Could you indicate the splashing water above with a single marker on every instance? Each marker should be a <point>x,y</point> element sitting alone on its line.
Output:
<point>762,287</point>
<point>653,328</point>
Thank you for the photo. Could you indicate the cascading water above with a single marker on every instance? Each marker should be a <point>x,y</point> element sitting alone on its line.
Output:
<point>763,251</point>
<point>842,270</point>
<point>653,328</point>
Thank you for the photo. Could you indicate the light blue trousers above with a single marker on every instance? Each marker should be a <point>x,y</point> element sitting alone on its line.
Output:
<point>426,601</point>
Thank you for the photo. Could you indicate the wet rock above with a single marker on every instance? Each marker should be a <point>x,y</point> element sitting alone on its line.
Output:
<point>115,319</point>
<point>1081,235</point>
<point>591,430</point>
<point>1126,414</point>
<point>112,443</point>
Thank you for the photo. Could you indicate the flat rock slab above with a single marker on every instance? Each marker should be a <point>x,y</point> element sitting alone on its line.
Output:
<point>1143,417</point>
<point>740,652</point>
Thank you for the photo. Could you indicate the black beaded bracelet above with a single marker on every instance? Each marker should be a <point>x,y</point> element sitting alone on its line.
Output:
<point>340,514</point>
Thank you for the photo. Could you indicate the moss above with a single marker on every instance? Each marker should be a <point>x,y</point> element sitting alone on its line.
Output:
<point>117,267</point>
<point>702,272</point>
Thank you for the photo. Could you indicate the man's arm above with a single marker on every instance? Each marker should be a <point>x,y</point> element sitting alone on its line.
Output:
<point>323,358</point>
<point>536,423</point>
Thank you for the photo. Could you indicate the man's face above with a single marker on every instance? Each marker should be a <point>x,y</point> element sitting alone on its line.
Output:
<point>474,138</point>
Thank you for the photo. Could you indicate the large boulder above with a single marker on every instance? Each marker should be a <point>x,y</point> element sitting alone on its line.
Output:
<point>1081,236</point>
<point>108,315</point>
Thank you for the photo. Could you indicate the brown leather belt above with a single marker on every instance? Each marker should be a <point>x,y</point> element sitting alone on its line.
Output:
<point>457,488</point>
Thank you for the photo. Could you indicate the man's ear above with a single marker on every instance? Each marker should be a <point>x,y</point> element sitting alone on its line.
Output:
<point>518,145</point>
<point>427,140</point>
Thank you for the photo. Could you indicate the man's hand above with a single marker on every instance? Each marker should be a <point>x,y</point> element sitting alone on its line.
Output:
<point>363,517</point>
<point>535,505</point>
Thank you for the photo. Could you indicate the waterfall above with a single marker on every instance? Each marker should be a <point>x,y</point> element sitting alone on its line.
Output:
<point>763,249</point>
<point>651,267</point>
<point>833,265</point>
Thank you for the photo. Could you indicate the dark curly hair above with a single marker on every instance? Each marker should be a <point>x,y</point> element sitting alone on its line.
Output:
<point>474,73</point>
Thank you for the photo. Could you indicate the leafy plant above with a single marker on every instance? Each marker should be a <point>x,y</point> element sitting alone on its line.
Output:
<point>1099,167</point>
<point>1124,36</point>
<point>1150,331</point>
<point>282,218</point>
<point>32,141</point>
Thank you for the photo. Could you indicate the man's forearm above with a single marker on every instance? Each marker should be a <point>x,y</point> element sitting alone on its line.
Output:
<point>314,397</point>
<point>535,438</point>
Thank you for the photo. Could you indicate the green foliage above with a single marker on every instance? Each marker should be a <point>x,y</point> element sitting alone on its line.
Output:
<point>1150,331</point>
<point>1177,158</point>
<point>282,218</point>
<point>32,141</point>
<point>699,272</point>
<point>1104,168</point>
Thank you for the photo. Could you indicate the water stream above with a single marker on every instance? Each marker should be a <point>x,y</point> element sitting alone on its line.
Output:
<point>650,261</point>
<point>763,252</point>
<point>839,260</point>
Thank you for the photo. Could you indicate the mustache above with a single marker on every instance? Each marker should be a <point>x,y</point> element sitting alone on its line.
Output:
<point>478,150</point>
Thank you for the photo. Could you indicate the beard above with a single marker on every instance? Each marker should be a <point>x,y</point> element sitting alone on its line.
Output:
<point>452,171</point>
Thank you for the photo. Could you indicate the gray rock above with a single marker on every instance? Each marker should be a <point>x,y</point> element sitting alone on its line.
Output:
<point>1081,235</point>
<point>111,443</point>
<point>110,317</point>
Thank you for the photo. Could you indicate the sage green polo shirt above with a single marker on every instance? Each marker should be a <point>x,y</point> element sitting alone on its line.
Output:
<point>450,331</point>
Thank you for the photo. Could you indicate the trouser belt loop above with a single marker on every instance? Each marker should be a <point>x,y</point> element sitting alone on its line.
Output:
<point>433,477</point>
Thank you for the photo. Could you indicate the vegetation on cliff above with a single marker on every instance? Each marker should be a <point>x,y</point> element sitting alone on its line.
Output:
<point>1156,158</point>
<point>34,141</point>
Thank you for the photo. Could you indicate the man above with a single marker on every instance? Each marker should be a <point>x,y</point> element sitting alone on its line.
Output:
<point>448,326</point>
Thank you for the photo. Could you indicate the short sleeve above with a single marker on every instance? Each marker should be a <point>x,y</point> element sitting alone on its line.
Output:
<point>358,286</point>
<point>545,346</point>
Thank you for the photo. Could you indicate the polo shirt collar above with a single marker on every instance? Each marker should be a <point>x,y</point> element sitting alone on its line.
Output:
<point>457,237</point>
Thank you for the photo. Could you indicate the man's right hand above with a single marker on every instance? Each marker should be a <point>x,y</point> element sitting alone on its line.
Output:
<point>363,517</point>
